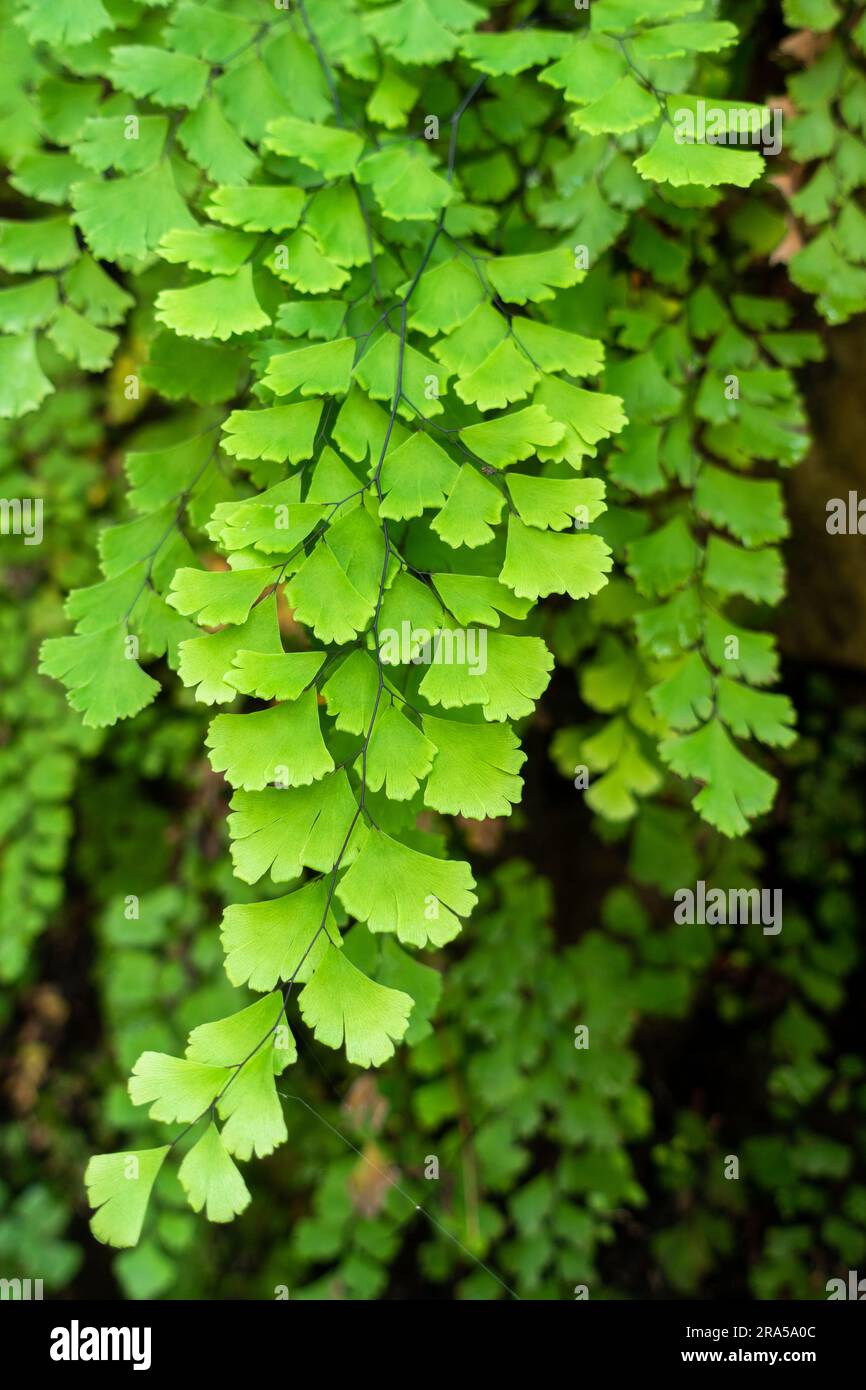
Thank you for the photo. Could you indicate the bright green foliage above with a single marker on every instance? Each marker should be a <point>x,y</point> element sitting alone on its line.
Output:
<point>359,476</point>
<point>408,406</point>
<point>629,73</point>
<point>707,404</point>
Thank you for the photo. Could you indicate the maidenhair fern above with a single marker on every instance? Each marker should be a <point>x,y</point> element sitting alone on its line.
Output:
<point>48,470</point>
<point>708,405</point>
<point>352,244</point>
<point>826,138</point>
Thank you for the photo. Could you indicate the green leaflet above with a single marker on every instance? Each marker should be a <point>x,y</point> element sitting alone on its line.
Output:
<point>211,142</point>
<point>685,698</point>
<point>377,372</point>
<point>757,574</point>
<point>405,187</point>
<point>534,277</point>
<point>686,163</point>
<point>472,509</point>
<point>472,598</point>
<point>342,1005</point>
<point>95,294</point>
<point>513,437</point>
<point>588,68</point>
<point>259,208</point>
<point>556,502</point>
<point>118,1189</point>
<point>624,107</point>
<point>417,475</point>
<point>393,96</point>
<point>105,683</point>
<point>422,33</point>
<point>329,151</point>
<point>274,677</point>
<point>538,563</point>
<point>675,40</point>
<point>278,433</point>
<point>209,663</point>
<point>168,78</point>
<point>211,1180</point>
<point>336,223</point>
<point>505,376</point>
<point>223,596</point>
<point>219,308</point>
<point>113,142</point>
<point>41,244</point>
<point>24,384</point>
<point>214,249</point>
<point>273,527</point>
<point>466,347</point>
<point>316,318</point>
<point>755,713</point>
<point>556,351</point>
<point>251,1109</point>
<point>661,562</point>
<point>225,1042</point>
<point>47,177</point>
<point>587,418</point>
<point>475,770</point>
<point>398,756</point>
<point>350,693</point>
<point>271,941</point>
<point>408,601</point>
<point>66,23</point>
<point>751,509</point>
<point>336,589</point>
<point>506,677</point>
<point>314,370</point>
<point>175,1088</point>
<point>392,887</point>
<point>181,369</point>
<point>282,745</point>
<point>444,298</point>
<point>283,831</point>
<point>499,54</point>
<point>300,261</point>
<point>27,306</point>
<point>736,788</point>
<point>123,219</point>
